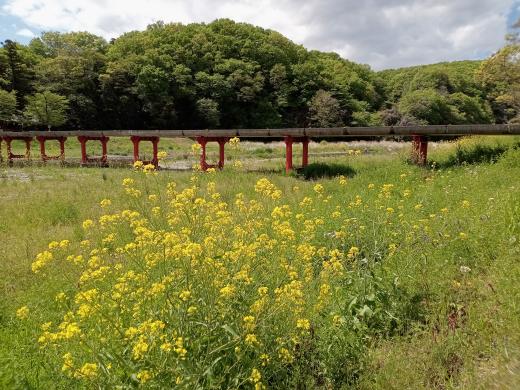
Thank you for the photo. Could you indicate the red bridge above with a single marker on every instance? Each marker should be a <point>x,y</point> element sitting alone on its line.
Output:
<point>419,136</point>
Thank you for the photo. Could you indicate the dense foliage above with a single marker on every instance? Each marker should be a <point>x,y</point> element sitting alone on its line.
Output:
<point>231,75</point>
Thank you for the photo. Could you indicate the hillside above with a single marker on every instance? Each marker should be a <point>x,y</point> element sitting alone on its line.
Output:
<point>224,75</point>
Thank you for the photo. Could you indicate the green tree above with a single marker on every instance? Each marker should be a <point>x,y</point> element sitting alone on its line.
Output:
<point>427,105</point>
<point>7,105</point>
<point>325,111</point>
<point>208,112</point>
<point>70,65</point>
<point>17,69</point>
<point>470,109</point>
<point>500,75</point>
<point>47,109</point>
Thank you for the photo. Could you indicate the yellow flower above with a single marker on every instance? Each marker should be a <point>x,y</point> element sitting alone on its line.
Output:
<point>87,224</point>
<point>42,259</point>
<point>60,297</point>
<point>342,180</point>
<point>140,348</point>
<point>262,291</point>
<point>255,376</point>
<point>195,148</point>
<point>465,204</point>
<point>68,362</point>
<point>162,155</point>
<point>303,324</point>
<point>228,291</point>
<point>128,182</point>
<point>185,295</point>
<point>22,313</point>
<point>251,339</point>
<point>463,236</point>
<point>105,203</point>
<point>285,355</point>
<point>249,323</point>
<point>192,310</point>
<point>53,244</point>
<point>88,371</point>
<point>138,164</point>
<point>353,252</point>
<point>166,347</point>
<point>235,141</point>
<point>144,376</point>
<point>389,210</point>
<point>318,188</point>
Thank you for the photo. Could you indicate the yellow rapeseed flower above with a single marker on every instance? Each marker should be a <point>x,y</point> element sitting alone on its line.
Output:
<point>228,291</point>
<point>144,376</point>
<point>251,339</point>
<point>105,203</point>
<point>22,313</point>
<point>185,295</point>
<point>255,376</point>
<point>318,188</point>
<point>87,224</point>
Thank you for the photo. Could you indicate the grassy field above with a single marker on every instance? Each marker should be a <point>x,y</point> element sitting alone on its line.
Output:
<point>390,277</point>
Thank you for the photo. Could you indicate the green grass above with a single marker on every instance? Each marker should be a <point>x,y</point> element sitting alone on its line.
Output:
<point>423,322</point>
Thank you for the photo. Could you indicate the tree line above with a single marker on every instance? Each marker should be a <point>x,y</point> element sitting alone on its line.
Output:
<point>235,75</point>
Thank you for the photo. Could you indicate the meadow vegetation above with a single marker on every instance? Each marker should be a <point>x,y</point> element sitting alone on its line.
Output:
<point>380,274</point>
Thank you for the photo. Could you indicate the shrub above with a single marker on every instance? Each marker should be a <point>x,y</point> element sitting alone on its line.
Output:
<point>181,287</point>
<point>320,170</point>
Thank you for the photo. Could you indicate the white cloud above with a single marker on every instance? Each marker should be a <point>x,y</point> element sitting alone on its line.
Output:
<point>382,33</point>
<point>25,32</point>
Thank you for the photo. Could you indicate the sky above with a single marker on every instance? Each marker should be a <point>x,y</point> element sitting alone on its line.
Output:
<point>381,33</point>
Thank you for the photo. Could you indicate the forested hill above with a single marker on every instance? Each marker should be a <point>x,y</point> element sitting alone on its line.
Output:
<point>227,75</point>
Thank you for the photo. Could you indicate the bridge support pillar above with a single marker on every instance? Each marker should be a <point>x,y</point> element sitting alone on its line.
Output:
<point>419,149</point>
<point>155,142</point>
<point>85,159</point>
<point>44,157</point>
<point>289,140</point>
<point>221,151</point>
<point>11,156</point>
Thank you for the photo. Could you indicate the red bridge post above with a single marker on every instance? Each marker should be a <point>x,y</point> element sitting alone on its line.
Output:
<point>136,139</point>
<point>288,153</point>
<point>44,157</point>
<point>289,140</point>
<point>202,140</point>
<point>419,149</point>
<point>85,159</point>
<point>305,156</point>
<point>10,155</point>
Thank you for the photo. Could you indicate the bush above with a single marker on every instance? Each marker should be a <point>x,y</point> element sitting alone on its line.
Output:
<point>320,170</point>
<point>511,158</point>
<point>477,150</point>
<point>269,289</point>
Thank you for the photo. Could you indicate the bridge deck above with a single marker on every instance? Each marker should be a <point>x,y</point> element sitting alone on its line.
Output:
<point>296,132</point>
